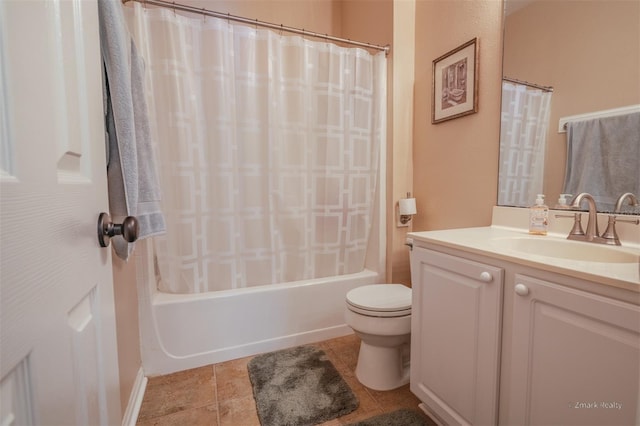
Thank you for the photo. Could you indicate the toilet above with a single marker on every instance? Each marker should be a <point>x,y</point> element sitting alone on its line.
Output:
<point>380,314</point>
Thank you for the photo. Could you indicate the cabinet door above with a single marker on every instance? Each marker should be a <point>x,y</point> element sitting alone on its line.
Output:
<point>575,358</point>
<point>455,338</point>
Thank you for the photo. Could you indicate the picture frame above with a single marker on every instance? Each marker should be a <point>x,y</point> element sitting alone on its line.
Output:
<point>455,83</point>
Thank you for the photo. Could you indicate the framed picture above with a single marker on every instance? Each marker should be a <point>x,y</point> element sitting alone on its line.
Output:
<point>455,83</point>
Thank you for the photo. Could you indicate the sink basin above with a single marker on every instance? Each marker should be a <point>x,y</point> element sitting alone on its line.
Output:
<point>566,249</point>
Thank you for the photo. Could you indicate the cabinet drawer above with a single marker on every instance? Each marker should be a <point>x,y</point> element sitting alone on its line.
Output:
<point>457,265</point>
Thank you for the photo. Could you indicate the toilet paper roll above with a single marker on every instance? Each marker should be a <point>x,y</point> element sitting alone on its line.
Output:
<point>408,206</point>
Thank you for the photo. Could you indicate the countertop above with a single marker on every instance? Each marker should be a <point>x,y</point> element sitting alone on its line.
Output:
<point>481,241</point>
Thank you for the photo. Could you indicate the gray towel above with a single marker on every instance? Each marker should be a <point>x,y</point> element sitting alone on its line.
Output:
<point>131,173</point>
<point>603,158</point>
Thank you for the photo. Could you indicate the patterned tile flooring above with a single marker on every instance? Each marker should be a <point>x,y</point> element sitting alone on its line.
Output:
<point>221,394</point>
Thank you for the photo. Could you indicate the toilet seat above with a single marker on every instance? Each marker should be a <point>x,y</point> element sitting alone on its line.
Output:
<point>380,300</point>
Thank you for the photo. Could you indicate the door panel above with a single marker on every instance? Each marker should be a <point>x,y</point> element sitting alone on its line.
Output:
<point>57,340</point>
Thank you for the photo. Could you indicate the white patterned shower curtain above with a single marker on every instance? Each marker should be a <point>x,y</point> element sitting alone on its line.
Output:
<point>523,138</point>
<point>268,149</point>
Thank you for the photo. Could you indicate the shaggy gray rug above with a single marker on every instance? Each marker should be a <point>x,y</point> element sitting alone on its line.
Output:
<point>298,386</point>
<point>404,417</point>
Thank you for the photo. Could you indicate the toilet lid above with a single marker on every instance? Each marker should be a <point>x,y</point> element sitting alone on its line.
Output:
<point>393,299</point>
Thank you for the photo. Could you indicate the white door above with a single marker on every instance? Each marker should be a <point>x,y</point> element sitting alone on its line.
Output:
<point>58,354</point>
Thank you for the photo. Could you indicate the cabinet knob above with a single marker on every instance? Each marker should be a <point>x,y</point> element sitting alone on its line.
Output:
<point>486,277</point>
<point>521,290</point>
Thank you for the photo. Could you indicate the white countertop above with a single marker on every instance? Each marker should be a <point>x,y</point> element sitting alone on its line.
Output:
<point>480,241</point>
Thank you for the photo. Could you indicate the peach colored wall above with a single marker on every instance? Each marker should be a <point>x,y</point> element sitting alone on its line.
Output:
<point>367,20</point>
<point>322,16</point>
<point>456,162</point>
<point>374,22</point>
<point>127,328</point>
<point>588,51</point>
<point>401,158</point>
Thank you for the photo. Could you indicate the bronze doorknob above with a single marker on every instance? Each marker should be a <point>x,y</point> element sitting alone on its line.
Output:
<point>107,229</point>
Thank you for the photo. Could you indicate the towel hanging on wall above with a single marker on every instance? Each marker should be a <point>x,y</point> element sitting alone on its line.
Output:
<point>602,158</point>
<point>131,172</point>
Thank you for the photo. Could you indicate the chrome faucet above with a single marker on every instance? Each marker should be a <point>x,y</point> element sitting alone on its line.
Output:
<point>592,233</point>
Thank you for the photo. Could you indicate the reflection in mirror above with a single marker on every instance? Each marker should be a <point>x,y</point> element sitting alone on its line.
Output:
<point>589,52</point>
<point>523,137</point>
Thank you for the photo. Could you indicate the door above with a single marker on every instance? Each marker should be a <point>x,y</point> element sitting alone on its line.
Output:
<point>58,355</point>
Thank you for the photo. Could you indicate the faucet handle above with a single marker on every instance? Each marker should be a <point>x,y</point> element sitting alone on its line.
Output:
<point>577,222</point>
<point>633,221</point>
<point>577,233</point>
<point>610,235</point>
<point>577,226</point>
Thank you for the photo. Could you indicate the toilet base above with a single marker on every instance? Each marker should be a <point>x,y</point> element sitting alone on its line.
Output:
<point>383,368</point>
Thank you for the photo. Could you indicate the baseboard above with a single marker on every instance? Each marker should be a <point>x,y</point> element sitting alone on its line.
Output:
<point>135,399</point>
<point>431,414</point>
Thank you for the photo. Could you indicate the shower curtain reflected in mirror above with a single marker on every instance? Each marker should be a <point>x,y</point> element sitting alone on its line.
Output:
<point>523,136</point>
<point>268,149</point>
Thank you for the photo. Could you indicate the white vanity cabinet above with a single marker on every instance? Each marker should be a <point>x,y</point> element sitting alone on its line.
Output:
<point>455,341</point>
<point>496,341</point>
<point>574,357</point>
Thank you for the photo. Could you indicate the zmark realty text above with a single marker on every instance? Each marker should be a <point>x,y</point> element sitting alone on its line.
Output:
<point>595,404</point>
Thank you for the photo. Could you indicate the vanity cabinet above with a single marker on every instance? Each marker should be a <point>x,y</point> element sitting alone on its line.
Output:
<point>455,343</point>
<point>574,357</point>
<point>498,342</point>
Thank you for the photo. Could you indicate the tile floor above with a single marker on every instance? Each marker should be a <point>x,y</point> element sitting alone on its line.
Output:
<point>221,395</point>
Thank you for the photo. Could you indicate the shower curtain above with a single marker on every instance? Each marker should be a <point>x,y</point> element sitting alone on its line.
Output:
<point>523,138</point>
<point>268,149</point>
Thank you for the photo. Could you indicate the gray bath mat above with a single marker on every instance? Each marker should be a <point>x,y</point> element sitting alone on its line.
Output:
<point>298,386</point>
<point>404,417</point>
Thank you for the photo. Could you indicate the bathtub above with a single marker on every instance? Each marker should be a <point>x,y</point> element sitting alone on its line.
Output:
<point>182,331</point>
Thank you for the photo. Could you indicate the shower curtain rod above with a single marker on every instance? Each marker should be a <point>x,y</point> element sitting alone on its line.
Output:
<point>184,8</point>
<point>526,83</point>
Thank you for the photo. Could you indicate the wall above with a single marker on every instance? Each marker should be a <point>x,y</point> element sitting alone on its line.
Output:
<point>589,52</point>
<point>391,22</point>
<point>456,162</point>
<point>401,142</point>
<point>126,304</point>
<point>321,16</point>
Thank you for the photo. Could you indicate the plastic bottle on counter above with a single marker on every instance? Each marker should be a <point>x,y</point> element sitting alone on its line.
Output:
<point>539,217</point>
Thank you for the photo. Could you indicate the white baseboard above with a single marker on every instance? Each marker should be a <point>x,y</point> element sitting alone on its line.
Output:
<point>433,416</point>
<point>135,400</point>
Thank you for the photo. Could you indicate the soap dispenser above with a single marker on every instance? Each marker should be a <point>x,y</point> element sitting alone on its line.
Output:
<point>562,202</point>
<point>539,217</point>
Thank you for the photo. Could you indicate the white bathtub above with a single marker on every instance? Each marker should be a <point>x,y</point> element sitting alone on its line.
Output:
<point>182,331</point>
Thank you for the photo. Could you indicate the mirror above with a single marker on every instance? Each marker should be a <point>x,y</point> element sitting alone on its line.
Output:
<point>587,51</point>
